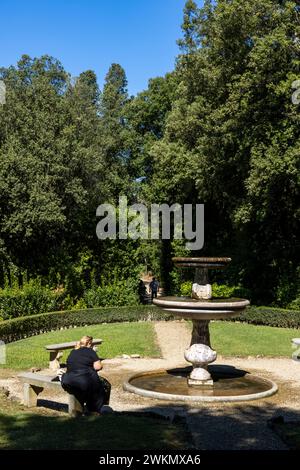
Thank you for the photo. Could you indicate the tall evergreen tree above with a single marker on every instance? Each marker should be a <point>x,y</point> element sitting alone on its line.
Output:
<point>112,134</point>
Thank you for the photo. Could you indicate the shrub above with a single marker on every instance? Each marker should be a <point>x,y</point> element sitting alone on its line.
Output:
<point>229,291</point>
<point>30,299</point>
<point>222,290</point>
<point>186,288</point>
<point>295,304</point>
<point>33,298</point>
<point>120,293</point>
<point>18,328</point>
<point>80,305</point>
<point>217,290</point>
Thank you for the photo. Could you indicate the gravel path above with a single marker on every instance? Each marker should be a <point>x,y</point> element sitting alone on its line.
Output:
<point>217,426</point>
<point>173,337</point>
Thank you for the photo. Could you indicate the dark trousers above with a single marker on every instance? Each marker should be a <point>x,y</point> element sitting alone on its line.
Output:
<point>88,388</point>
<point>153,294</point>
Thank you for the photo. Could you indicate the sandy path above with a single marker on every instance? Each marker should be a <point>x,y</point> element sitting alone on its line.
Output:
<point>173,338</point>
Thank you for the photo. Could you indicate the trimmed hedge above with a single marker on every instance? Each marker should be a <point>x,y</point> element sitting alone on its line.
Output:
<point>19,328</point>
<point>270,316</point>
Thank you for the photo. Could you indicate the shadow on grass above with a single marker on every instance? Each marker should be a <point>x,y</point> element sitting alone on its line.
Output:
<point>29,430</point>
<point>238,427</point>
<point>289,432</point>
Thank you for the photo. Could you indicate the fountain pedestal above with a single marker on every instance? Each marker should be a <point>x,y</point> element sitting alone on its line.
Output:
<point>200,356</point>
<point>200,353</point>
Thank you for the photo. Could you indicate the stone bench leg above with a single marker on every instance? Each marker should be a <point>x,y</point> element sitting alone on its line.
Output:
<point>30,394</point>
<point>54,360</point>
<point>75,408</point>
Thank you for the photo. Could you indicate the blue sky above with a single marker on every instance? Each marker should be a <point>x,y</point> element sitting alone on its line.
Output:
<point>91,34</point>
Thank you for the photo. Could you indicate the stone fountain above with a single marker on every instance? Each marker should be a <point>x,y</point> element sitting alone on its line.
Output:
<point>202,382</point>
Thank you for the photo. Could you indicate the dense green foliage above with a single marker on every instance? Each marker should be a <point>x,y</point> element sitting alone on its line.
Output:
<point>31,299</point>
<point>218,290</point>
<point>112,295</point>
<point>231,139</point>
<point>221,129</point>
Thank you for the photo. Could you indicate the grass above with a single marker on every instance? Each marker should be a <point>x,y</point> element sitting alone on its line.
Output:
<point>41,429</point>
<point>241,339</point>
<point>118,338</point>
<point>228,338</point>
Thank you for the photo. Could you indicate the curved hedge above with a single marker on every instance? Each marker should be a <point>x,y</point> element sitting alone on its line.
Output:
<point>18,328</point>
<point>22,327</point>
<point>270,316</point>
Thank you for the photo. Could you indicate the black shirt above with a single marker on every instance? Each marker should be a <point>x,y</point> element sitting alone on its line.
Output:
<point>82,358</point>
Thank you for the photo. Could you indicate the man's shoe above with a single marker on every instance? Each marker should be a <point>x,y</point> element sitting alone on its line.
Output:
<point>106,410</point>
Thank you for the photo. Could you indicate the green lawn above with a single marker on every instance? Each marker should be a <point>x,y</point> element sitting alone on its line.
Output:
<point>241,339</point>
<point>229,339</point>
<point>41,429</point>
<point>118,338</point>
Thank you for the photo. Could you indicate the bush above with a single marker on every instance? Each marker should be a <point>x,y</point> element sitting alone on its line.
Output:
<point>295,304</point>
<point>18,328</point>
<point>33,298</point>
<point>186,288</point>
<point>217,290</point>
<point>30,299</point>
<point>120,293</point>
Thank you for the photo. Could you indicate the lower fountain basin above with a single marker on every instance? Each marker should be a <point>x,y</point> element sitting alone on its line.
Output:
<point>230,385</point>
<point>213,309</point>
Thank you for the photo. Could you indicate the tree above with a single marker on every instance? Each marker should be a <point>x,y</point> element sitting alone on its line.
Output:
<point>112,129</point>
<point>146,118</point>
<point>232,137</point>
<point>50,173</point>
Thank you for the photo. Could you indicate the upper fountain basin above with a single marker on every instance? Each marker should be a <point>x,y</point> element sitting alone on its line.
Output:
<point>205,263</point>
<point>213,309</point>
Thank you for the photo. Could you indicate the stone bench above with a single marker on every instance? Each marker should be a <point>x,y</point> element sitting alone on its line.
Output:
<point>35,383</point>
<point>56,351</point>
<point>296,345</point>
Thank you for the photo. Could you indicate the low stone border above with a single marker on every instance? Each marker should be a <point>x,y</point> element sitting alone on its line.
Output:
<point>128,387</point>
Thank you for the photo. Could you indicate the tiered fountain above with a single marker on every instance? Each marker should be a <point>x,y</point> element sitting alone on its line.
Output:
<point>201,382</point>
